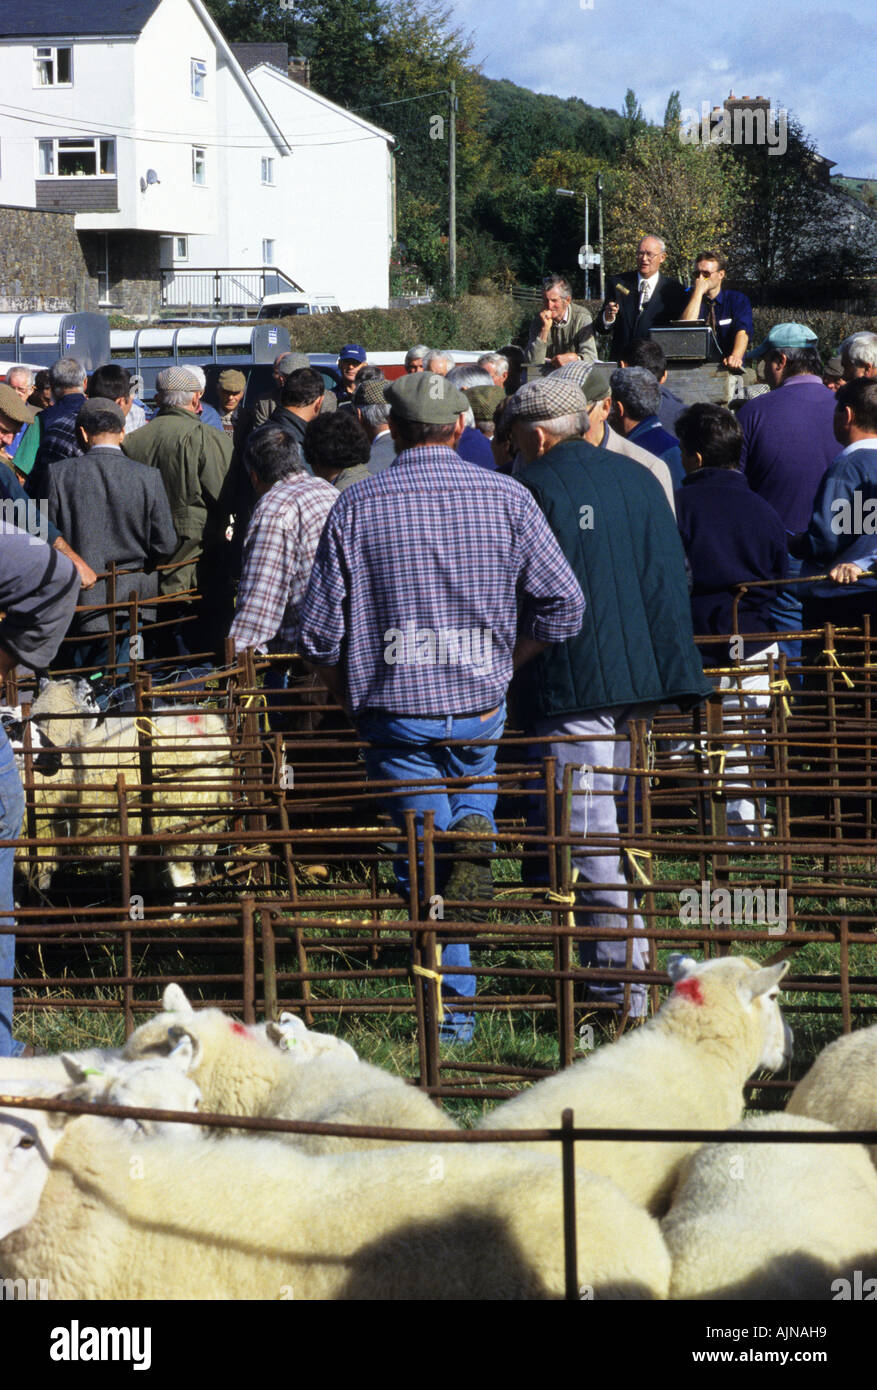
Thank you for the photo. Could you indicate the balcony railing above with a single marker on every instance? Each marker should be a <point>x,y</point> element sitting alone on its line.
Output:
<point>221,287</point>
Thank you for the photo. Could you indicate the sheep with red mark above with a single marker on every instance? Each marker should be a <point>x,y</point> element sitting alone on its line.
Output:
<point>191,777</point>
<point>242,1073</point>
<point>683,1069</point>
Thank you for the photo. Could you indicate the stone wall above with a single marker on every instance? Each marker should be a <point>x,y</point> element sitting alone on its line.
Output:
<point>41,263</point>
<point>133,260</point>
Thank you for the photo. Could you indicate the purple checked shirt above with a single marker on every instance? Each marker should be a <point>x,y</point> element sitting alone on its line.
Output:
<point>418,581</point>
<point>278,553</point>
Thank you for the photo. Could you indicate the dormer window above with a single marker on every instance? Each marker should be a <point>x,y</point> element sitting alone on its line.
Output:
<point>53,67</point>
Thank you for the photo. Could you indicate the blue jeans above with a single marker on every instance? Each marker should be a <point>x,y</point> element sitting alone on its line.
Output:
<point>11,817</point>
<point>410,748</point>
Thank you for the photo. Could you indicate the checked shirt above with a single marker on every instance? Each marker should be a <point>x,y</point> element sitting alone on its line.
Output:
<point>278,553</point>
<point>434,546</point>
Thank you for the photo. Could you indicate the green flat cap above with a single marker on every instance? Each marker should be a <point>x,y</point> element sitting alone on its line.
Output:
<point>427,398</point>
<point>484,400</point>
<point>14,408</point>
<point>231,380</point>
<point>592,378</point>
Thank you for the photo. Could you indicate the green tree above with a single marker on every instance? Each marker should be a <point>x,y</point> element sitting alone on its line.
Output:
<point>632,115</point>
<point>673,114</point>
<point>686,194</point>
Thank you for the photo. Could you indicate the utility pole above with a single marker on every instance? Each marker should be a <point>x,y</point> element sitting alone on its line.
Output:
<point>452,195</point>
<point>600,235</point>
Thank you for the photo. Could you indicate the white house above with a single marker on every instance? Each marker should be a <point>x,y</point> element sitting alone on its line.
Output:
<point>136,116</point>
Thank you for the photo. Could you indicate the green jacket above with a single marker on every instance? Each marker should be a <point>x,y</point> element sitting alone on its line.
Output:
<point>576,335</point>
<point>636,642</point>
<point>194,461</point>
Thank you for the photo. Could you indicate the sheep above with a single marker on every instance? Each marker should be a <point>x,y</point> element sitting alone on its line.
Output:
<point>685,1068</point>
<point>187,747</point>
<point>773,1221</point>
<point>302,1044</point>
<point>157,1083</point>
<point>51,1068</point>
<point>100,1216</point>
<point>841,1085</point>
<point>241,1073</point>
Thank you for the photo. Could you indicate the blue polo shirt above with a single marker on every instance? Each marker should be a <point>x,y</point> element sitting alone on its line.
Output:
<point>733,312</point>
<point>650,434</point>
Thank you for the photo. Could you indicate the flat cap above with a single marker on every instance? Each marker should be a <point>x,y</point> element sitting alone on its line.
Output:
<point>232,380</point>
<point>834,367</point>
<point>177,379</point>
<point>592,377</point>
<point>291,362</point>
<point>427,397</point>
<point>784,335</point>
<point>14,408</point>
<point>372,392</point>
<point>100,405</point>
<point>484,400</point>
<point>546,399</point>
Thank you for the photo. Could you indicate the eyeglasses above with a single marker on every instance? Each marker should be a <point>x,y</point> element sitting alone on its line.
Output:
<point>649,255</point>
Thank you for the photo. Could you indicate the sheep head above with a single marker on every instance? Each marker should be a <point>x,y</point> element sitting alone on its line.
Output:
<point>300,1044</point>
<point>28,1139</point>
<point>753,990</point>
<point>157,1083</point>
<point>65,697</point>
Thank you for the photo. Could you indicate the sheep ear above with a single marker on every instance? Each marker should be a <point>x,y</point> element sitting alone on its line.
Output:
<point>74,1069</point>
<point>174,1001</point>
<point>183,1053</point>
<point>275,1033</point>
<point>758,982</point>
<point>679,967</point>
<point>291,1023</point>
<point>179,1038</point>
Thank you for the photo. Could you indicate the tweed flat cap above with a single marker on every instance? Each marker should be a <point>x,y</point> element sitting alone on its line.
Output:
<point>177,379</point>
<point>291,362</point>
<point>14,408</point>
<point>372,392</point>
<point>484,400</point>
<point>834,367</point>
<point>100,405</point>
<point>546,399</point>
<point>231,380</point>
<point>426,397</point>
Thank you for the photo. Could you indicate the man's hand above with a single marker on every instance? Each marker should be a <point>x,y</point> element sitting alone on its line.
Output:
<point>563,357</point>
<point>610,313</point>
<point>734,360</point>
<point>87,576</point>
<point>547,320</point>
<point>846,573</point>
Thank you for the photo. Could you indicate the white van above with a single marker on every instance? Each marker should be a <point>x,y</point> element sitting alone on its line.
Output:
<point>292,302</point>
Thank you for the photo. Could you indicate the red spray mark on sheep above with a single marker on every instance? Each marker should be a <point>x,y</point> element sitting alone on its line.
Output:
<point>239,1029</point>
<point>690,989</point>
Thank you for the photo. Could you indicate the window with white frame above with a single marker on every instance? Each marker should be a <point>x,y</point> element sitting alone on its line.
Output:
<point>268,251</point>
<point>199,165</point>
<point>76,157</point>
<point>198,78</point>
<point>181,248</point>
<point>267,169</point>
<point>52,67</point>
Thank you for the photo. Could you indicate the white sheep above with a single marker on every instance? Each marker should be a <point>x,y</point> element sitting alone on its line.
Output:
<point>841,1085</point>
<point>685,1068</point>
<point>301,1043</point>
<point>242,1073</point>
<point>51,1068</point>
<point>188,748</point>
<point>155,1083</point>
<point>772,1221</point>
<point>100,1216</point>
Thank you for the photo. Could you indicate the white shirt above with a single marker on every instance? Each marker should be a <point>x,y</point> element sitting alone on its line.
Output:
<point>650,280</point>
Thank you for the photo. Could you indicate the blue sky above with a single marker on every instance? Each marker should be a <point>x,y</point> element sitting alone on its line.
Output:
<point>814,60</point>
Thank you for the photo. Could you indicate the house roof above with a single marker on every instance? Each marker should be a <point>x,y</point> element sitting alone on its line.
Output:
<point>250,55</point>
<point>311,95</point>
<point>42,19</point>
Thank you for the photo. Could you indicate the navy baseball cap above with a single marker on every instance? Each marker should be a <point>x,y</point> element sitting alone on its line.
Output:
<point>352,352</point>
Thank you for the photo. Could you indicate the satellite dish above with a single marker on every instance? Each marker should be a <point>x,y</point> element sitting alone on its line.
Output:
<point>152,176</point>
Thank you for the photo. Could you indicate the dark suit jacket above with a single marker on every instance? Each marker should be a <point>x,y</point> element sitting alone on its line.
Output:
<point>111,508</point>
<point>666,303</point>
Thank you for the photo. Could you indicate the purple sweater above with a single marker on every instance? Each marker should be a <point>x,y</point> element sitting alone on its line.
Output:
<point>788,442</point>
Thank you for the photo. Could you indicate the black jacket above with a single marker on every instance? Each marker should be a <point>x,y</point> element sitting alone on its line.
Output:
<point>666,303</point>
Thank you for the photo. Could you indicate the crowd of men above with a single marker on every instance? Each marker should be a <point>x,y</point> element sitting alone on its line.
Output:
<point>436,545</point>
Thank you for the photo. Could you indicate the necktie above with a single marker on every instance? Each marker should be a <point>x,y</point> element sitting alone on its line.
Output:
<point>711,316</point>
<point>645,295</point>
